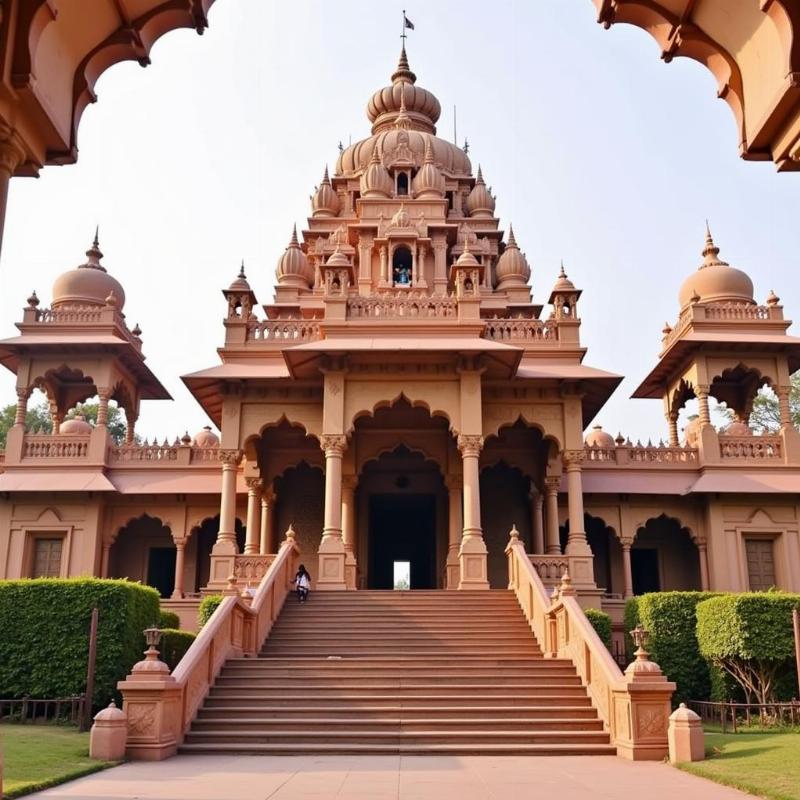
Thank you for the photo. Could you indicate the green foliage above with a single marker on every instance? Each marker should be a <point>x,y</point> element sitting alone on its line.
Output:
<point>750,637</point>
<point>765,415</point>
<point>670,619</point>
<point>115,424</point>
<point>168,619</point>
<point>208,605</point>
<point>174,644</point>
<point>601,622</point>
<point>37,418</point>
<point>45,634</point>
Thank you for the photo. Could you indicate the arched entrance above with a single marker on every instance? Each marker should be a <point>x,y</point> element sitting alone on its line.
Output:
<point>144,551</point>
<point>664,557</point>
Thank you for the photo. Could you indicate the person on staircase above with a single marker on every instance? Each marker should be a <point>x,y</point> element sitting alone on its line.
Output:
<point>302,582</point>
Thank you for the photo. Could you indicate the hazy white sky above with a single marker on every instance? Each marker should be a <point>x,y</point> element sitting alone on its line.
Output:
<point>598,152</point>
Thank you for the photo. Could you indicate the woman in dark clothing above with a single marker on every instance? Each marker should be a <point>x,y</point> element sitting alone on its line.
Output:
<point>302,582</point>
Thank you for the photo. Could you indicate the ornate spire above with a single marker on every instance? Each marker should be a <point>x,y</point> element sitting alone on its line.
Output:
<point>241,271</point>
<point>325,178</point>
<point>292,242</point>
<point>711,251</point>
<point>428,152</point>
<point>403,71</point>
<point>561,273</point>
<point>512,242</point>
<point>94,254</point>
<point>402,120</point>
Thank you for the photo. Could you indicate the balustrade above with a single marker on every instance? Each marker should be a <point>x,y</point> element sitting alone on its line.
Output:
<point>251,568</point>
<point>750,447</point>
<point>283,330</point>
<point>54,446</point>
<point>528,330</point>
<point>402,304</point>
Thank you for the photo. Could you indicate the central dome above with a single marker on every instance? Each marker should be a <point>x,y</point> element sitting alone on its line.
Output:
<point>88,284</point>
<point>403,118</point>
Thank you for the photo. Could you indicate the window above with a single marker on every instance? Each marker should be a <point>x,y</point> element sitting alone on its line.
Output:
<point>402,184</point>
<point>47,557</point>
<point>644,565</point>
<point>760,564</point>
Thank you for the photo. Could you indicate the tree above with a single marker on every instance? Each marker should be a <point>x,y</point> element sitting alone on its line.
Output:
<point>765,416</point>
<point>38,418</point>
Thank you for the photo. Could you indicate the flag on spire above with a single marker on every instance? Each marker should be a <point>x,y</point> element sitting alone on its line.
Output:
<point>407,23</point>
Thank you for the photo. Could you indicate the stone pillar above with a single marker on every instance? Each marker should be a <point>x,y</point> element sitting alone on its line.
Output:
<point>702,556</point>
<point>105,558</point>
<point>454,530</point>
<point>553,542</point>
<point>102,407</point>
<point>130,430</point>
<point>577,545</point>
<point>701,392</point>
<point>331,548</point>
<point>12,155</point>
<point>414,276</point>
<point>672,419</point>
<point>472,554</point>
<point>626,567</point>
<point>784,408</point>
<point>349,483</point>
<point>22,395</point>
<point>223,554</point>
<point>420,268</point>
<point>180,547</point>
<point>253,529</point>
<point>384,281</point>
<point>537,521</point>
<point>439,265</point>
<point>269,542</point>
<point>365,242</point>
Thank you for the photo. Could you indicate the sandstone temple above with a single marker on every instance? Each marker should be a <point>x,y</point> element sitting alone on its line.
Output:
<point>405,398</point>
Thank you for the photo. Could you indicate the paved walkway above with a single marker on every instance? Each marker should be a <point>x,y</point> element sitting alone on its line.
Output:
<point>395,777</point>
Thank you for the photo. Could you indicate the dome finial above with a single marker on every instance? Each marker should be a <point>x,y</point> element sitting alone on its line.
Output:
<point>241,271</point>
<point>96,241</point>
<point>293,241</point>
<point>711,251</point>
<point>325,177</point>
<point>428,152</point>
<point>94,254</point>
<point>561,273</point>
<point>512,242</point>
<point>403,71</point>
<point>479,178</point>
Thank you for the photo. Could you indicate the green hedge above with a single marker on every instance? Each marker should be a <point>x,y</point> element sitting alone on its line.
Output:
<point>168,619</point>
<point>751,635</point>
<point>670,617</point>
<point>601,622</point>
<point>208,605</point>
<point>174,644</point>
<point>45,634</point>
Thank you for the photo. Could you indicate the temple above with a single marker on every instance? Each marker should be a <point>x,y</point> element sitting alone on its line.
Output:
<point>405,398</point>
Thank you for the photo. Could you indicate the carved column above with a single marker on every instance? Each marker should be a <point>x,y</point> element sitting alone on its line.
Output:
<point>384,281</point>
<point>472,554</point>
<point>223,554</point>
<point>672,420</point>
<point>420,269</point>
<point>702,556</point>
<point>22,398</point>
<point>627,572</point>
<point>269,543</point>
<point>577,544</point>
<point>784,408</point>
<point>105,558</point>
<point>180,547</point>
<point>104,394</point>
<point>349,483</point>
<point>454,529</point>
<point>365,242</point>
<point>130,430</point>
<point>537,521</point>
<point>331,548</point>
<point>701,392</point>
<point>12,155</point>
<point>439,265</point>
<point>551,487</point>
<point>414,276</point>
<point>253,513</point>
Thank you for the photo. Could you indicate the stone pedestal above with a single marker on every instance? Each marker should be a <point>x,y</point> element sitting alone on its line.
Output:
<point>109,735</point>
<point>685,734</point>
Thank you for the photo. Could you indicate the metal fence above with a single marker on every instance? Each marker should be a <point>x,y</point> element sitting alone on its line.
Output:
<point>737,715</point>
<point>32,710</point>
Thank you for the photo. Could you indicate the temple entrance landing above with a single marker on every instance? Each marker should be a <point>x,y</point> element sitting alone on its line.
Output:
<point>402,528</point>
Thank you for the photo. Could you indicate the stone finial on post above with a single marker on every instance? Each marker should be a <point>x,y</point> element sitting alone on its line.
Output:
<point>109,734</point>
<point>152,703</point>
<point>290,534</point>
<point>685,734</point>
<point>231,589</point>
<point>513,534</point>
<point>566,589</point>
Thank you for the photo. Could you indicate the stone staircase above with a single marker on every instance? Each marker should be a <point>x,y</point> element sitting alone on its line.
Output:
<point>399,672</point>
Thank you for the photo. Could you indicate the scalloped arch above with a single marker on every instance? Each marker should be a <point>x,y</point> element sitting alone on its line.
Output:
<point>388,449</point>
<point>373,405</point>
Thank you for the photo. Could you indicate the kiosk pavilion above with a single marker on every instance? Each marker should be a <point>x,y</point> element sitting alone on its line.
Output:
<point>403,398</point>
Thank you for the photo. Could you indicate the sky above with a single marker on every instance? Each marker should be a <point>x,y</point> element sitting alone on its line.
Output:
<point>598,152</point>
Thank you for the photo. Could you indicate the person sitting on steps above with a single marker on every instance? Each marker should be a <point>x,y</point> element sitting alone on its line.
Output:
<point>302,582</point>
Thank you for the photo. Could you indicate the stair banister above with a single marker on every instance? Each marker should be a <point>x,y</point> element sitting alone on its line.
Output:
<point>634,706</point>
<point>160,707</point>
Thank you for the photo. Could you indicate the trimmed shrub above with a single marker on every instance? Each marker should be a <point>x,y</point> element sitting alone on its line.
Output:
<point>601,622</point>
<point>671,621</point>
<point>208,605</point>
<point>750,637</point>
<point>174,644</point>
<point>45,632</point>
<point>168,619</point>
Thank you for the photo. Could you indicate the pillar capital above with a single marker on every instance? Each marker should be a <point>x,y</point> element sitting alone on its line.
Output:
<point>349,482</point>
<point>230,458</point>
<point>333,444</point>
<point>573,459</point>
<point>454,483</point>
<point>253,484</point>
<point>469,444</point>
<point>552,483</point>
<point>12,152</point>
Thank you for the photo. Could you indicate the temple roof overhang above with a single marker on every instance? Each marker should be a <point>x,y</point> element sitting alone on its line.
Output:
<point>683,348</point>
<point>17,347</point>
<point>57,479</point>
<point>740,481</point>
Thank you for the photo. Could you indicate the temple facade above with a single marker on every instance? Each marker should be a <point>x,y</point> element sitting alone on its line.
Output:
<point>405,399</point>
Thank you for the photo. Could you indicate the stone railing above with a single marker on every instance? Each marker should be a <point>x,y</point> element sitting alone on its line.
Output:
<point>719,312</point>
<point>283,331</point>
<point>160,706</point>
<point>45,445</point>
<point>628,454</point>
<point>69,314</point>
<point>162,454</point>
<point>516,330</point>
<point>736,311</point>
<point>409,305</point>
<point>759,448</point>
<point>634,707</point>
<point>251,568</point>
<point>550,568</point>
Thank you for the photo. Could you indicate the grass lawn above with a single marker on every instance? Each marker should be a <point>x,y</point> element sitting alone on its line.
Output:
<point>764,764</point>
<point>38,756</point>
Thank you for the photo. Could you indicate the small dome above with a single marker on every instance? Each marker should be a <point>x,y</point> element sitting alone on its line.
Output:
<point>738,428</point>
<point>401,218</point>
<point>419,104</point>
<point>466,259</point>
<point>429,181</point>
<point>563,284</point>
<point>293,267</point>
<point>375,180</point>
<point>512,266</point>
<point>88,284</point>
<point>597,437</point>
<point>240,284</point>
<point>338,260</point>
<point>480,202</point>
<point>715,281</point>
<point>75,426</point>
<point>325,202</point>
<point>206,438</point>
<point>691,432</point>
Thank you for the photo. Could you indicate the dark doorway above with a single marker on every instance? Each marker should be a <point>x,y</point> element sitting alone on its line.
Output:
<point>644,565</point>
<point>402,527</point>
<point>161,569</point>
